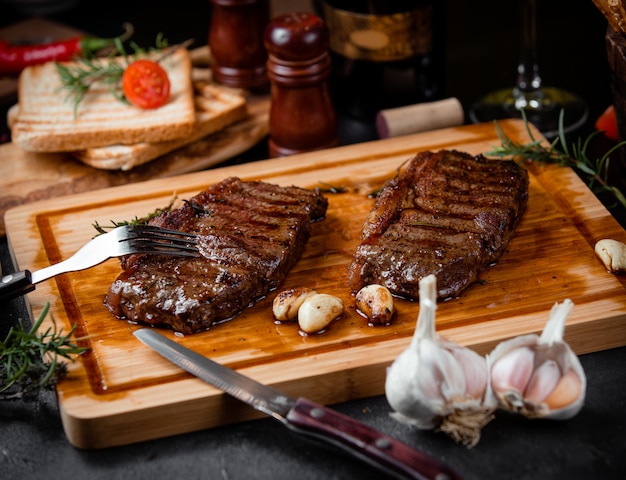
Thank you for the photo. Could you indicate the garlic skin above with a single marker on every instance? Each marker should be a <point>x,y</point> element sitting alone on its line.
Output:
<point>538,376</point>
<point>435,383</point>
<point>612,253</point>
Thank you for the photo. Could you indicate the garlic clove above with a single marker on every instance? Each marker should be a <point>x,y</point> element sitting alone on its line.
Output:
<point>543,381</point>
<point>287,303</point>
<point>317,311</point>
<point>567,393</point>
<point>375,302</point>
<point>511,373</point>
<point>612,253</point>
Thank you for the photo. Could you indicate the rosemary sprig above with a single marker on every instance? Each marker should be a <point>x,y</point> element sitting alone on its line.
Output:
<point>573,156</point>
<point>199,210</point>
<point>135,221</point>
<point>29,361</point>
<point>329,188</point>
<point>77,80</point>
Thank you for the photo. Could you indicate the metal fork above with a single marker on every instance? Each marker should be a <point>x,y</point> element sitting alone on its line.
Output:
<point>120,241</point>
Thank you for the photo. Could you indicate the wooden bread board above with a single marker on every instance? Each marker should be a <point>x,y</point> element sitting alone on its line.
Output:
<point>121,392</point>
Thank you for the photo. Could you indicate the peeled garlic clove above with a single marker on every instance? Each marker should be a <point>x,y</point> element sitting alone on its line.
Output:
<point>435,383</point>
<point>317,311</point>
<point>538,376</point>
<point>612,253</point>
<point>376,303</point>
<point>287,303</point>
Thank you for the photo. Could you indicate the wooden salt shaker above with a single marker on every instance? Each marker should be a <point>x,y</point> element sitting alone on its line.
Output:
<point>236,42</point>
<point>302,117</point>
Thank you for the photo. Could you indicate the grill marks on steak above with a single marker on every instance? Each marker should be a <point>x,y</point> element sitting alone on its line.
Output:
<point>449,214</point>
<point>250,235</point>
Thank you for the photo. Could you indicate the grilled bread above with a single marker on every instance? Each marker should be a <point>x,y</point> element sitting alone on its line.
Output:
<point>46,122</point>
<point>216,107</point>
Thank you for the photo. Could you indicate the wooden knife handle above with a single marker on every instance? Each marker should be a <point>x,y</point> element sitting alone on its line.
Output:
<point>378,449</point>
<point>15,284</point>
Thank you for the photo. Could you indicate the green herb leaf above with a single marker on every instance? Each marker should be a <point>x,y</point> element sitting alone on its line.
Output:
<point>135,221</point>
<point>29,361</point>
<point>574,155</point>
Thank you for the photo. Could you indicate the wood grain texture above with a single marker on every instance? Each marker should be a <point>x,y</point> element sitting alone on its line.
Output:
<point>121,392</point>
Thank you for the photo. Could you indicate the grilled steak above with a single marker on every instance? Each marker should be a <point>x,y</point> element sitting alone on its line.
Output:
<point>448,213</point>
<point>250,235</point>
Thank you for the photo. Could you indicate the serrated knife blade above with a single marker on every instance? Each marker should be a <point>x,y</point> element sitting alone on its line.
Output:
<point>305,416</point>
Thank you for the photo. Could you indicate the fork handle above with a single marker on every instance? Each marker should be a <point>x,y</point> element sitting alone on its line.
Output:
<point>16,284</point>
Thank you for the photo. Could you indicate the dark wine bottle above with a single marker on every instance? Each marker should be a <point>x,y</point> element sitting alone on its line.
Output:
<point>384,53</point>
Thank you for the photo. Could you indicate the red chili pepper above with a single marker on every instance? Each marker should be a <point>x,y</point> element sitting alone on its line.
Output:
<point>14,58</point>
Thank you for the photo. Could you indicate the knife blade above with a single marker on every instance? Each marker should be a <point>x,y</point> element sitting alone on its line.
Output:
<point>305,416</point>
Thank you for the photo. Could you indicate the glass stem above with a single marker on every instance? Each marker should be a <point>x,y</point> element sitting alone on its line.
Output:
<point>527,91</point>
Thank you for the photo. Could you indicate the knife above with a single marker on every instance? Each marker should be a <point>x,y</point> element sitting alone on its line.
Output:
<point>305,416</point>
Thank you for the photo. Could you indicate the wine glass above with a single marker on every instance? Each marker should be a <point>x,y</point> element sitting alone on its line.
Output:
<point>542,105</point>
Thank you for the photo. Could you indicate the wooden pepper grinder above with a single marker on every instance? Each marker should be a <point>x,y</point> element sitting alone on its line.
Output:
<point>302,117</point>
<point>236,42</point>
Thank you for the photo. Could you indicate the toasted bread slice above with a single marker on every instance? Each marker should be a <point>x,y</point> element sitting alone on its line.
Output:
<point>216,108</point>
<point>46,122</point>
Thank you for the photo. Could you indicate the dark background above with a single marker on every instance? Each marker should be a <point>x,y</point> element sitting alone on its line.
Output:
<point>482,39</point>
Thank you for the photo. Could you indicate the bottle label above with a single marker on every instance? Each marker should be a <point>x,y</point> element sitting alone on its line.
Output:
<point>380,38</point>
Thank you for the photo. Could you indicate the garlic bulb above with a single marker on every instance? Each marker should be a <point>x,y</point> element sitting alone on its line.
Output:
<point>538,376</point>
<point>436,383</point>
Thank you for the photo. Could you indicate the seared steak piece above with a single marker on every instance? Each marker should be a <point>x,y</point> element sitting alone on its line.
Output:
<point>250,235</point>
<point>448,213</point>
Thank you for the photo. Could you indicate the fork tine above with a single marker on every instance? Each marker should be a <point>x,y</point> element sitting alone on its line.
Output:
<point>158,240</point>
<point>159,248</point>
<point>158,232</point>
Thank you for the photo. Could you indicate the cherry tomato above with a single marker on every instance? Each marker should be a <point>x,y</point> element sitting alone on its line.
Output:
<point>607,123</point>
<point>146,84</point>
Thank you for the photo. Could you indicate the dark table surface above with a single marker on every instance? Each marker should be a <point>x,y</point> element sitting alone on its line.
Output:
<point>482,51</point>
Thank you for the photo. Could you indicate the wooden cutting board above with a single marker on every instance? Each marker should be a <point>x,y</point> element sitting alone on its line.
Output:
<point>122,392</point>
